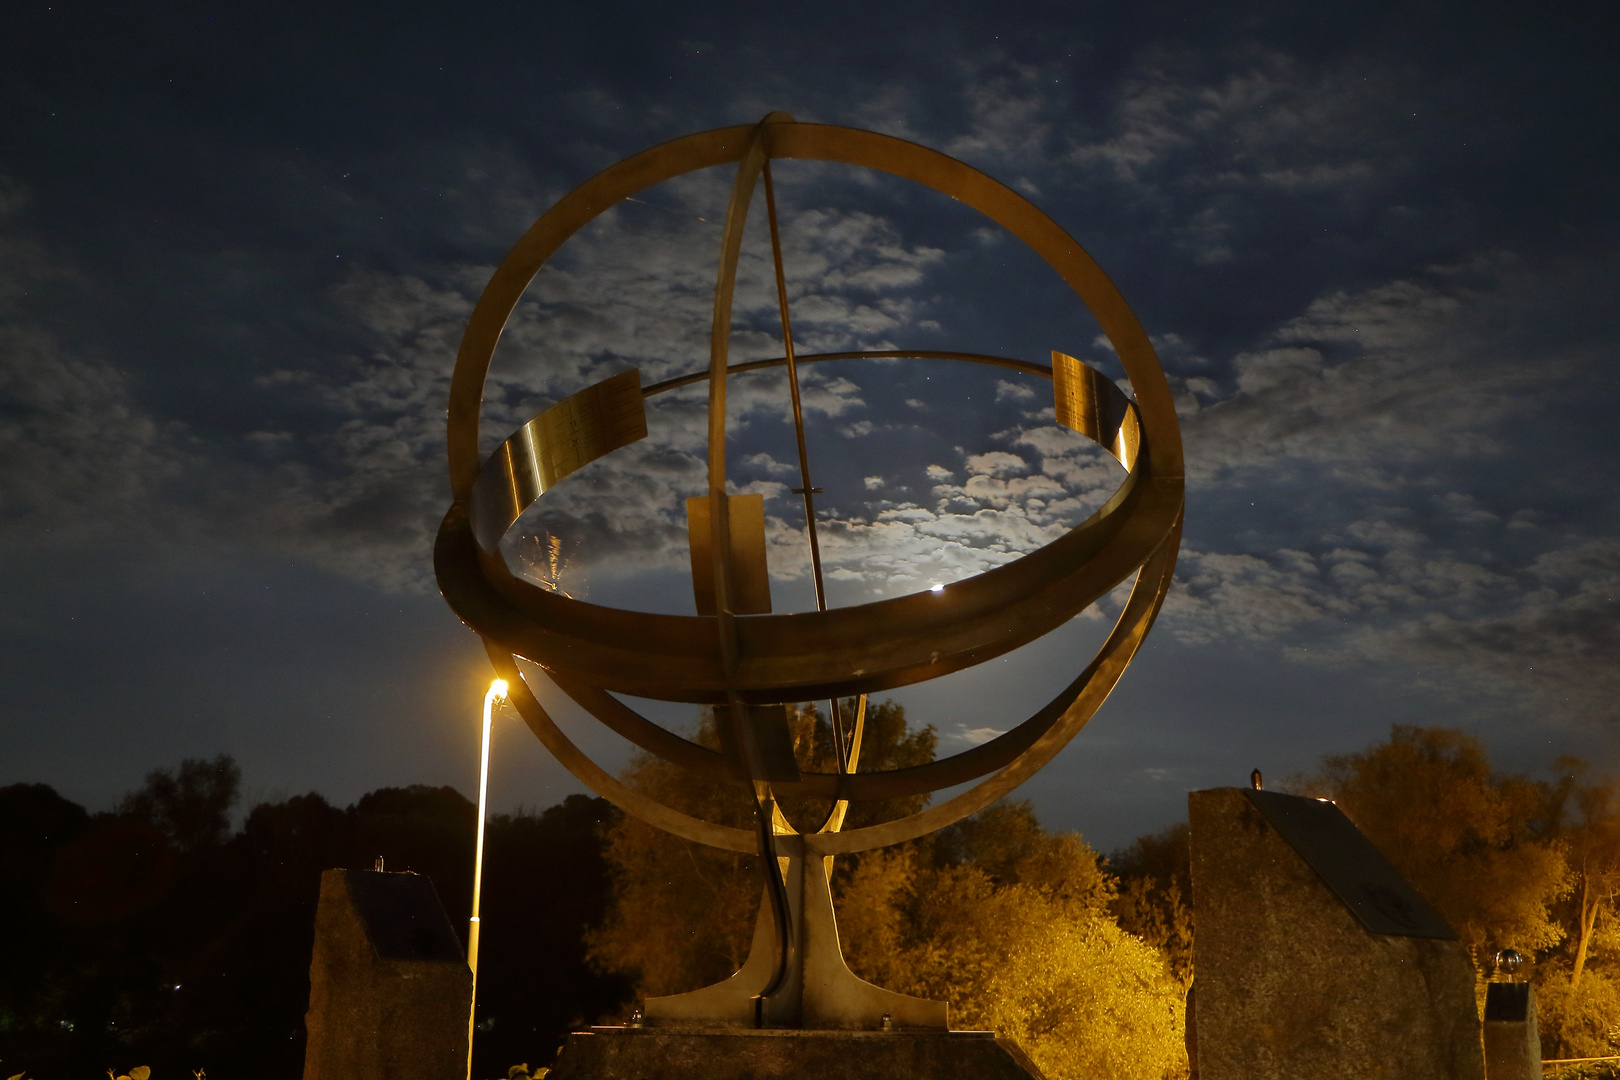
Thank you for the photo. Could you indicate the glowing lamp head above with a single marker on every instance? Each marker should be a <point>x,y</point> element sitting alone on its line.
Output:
<point>937,587</point>
<point>497,689</point>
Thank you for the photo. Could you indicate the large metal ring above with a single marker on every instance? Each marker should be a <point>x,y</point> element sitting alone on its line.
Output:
<point>592,651</point>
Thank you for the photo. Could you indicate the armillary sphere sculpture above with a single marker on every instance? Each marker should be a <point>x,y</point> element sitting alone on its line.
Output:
<point>751,665</point>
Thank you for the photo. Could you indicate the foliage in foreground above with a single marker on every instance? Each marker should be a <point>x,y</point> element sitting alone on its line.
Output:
<point>1012,926</point>
<point>1594,1070</point>
<point>1509,861</point>
<point>1008,923</point>
<point>1475,843</point>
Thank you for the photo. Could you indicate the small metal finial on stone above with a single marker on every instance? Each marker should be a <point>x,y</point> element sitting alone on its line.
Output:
<point>1508,963</point>
<point>1254,779</point>
<point>887,1022</point>
<point>635,1018</point>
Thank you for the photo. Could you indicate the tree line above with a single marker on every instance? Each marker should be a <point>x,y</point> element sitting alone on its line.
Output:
<point>156,934</point>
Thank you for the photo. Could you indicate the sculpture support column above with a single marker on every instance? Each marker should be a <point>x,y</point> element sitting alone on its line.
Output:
<point>818,991</point>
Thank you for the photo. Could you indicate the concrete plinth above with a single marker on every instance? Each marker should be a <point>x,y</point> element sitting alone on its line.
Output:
<point>713,1054</point>
<point>1314,958</point>
<point>389,988</point>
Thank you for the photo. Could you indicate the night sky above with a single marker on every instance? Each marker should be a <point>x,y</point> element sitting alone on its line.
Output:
<point>1375,245</point>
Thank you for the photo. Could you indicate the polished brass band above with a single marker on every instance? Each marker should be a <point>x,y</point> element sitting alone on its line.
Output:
<point>806,656</point>
<point>1085,400</point>
<point>563,439</point>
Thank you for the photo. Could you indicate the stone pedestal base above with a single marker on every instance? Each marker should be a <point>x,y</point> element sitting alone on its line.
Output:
<point>1512,1032</point>
<point>709,1054</point>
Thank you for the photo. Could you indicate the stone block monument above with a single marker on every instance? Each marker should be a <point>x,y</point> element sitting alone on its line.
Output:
<point>389,987</point>
<point>1313,956</point>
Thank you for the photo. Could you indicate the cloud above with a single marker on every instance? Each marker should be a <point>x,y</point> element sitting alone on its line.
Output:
<point>1010,391</point>
<point>1007,106</point>
<point>1269,121</point>
<point>80,457</point>
<point>366,493</point>
<point>1386,409</point>
<point>973,736</point>
<point>1540,635</point>
<point>1368,382</point>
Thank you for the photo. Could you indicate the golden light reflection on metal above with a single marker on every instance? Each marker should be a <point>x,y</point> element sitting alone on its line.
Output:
<point>1085,400</point>
<point>749,664</point>
<point>563,439</point>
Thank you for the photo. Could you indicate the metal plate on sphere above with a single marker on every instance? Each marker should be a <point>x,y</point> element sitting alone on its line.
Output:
<point>1378,896</point>
<point>562,440</point>
<point>1085,400</point>
<point>749,578</point>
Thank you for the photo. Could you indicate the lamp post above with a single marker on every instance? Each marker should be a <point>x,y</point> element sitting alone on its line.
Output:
<point>497,692</point>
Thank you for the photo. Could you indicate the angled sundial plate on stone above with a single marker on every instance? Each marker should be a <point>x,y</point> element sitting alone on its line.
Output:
<point>1347,862</point>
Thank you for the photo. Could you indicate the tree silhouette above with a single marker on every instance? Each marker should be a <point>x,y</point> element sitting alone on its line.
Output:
<point>192,807</point>
<point>153,934</point>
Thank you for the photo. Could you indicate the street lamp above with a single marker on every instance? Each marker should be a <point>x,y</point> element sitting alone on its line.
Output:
<point>497,692</point>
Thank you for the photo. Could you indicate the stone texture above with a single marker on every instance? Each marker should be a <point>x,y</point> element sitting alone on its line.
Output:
<point>1512,1032</point>
<point>711,1054</point>
<point>389,987</point>
<point>1291,985</point>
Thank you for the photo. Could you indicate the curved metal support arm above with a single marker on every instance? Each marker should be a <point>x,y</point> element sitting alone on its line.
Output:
<point>1103,672</point>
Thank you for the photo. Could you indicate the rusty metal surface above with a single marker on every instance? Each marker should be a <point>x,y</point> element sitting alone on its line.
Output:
<point>736,656</point>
